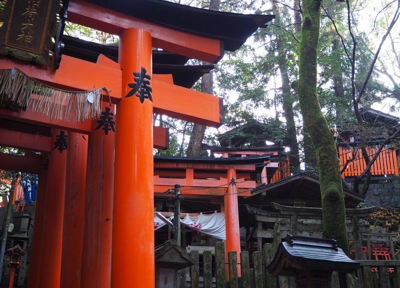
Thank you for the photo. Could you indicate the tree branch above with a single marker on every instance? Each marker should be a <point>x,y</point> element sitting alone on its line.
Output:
<point>290,7</point>
<point>387,141</point>
<point>348,161</point>
<point>280,27</point>
<point>352,61</point>
<point>337,32</point>
<point>369,162</point>
<point>395,53</point>
<point>371,68</point>
<point>380,11</point>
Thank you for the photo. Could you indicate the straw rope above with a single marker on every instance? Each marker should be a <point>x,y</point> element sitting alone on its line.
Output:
<point>19,91</point>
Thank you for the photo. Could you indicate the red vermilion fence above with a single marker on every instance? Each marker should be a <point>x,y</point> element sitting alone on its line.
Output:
<point>283,171</point>
<point>385,164</point>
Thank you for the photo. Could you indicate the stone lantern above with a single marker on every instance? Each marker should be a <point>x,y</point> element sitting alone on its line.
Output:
<point>15,261</point>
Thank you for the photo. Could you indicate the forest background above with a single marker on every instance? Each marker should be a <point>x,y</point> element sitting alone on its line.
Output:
<point>358,68</point>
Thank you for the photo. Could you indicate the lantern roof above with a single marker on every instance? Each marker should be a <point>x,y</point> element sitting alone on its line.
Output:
<point>17,249</point>
<point>172,256</point>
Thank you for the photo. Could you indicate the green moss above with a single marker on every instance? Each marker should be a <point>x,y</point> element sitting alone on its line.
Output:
<point>333,221</point>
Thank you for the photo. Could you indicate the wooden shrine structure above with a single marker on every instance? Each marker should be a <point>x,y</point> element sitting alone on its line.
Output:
<point>277,168</point>
<point>84,114</point>
<point>381,126</point>
<point>310,260</point>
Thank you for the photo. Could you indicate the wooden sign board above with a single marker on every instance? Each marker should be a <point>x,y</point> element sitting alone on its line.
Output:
<point>28,29</point>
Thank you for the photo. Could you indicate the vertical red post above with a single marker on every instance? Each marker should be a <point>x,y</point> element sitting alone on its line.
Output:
<point>133,230</point>
<point>50,266</point>
<point>232,217</point>
<point>264,176</point>
<point>38,227</point>
<point>96,259</point>
<point>12,274</point>
<point>74,205</point>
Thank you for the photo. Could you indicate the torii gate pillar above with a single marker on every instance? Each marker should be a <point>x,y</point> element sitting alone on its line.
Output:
<point>133,232</point>
<point>74,207</point>
<point>96,257</point>
<point>50,265</point>
<point>37,236</point>
<point>232,217</point>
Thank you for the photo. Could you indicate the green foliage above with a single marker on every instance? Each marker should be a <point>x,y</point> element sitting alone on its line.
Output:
<point>387,218</point>
<point>89,34</point>
<point>252,133</point>
<point>179,131</point>
<point>9,150</point>
<point>6,177</point>
<point>250,82</point>
<point>173,148</point>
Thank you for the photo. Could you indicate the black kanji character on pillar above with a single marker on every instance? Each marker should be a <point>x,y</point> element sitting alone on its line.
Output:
<point>106,121</point>
<point>141,86</point>
<point>61,142</point>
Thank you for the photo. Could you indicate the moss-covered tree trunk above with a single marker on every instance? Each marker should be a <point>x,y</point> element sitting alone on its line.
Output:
<point>333,213</point>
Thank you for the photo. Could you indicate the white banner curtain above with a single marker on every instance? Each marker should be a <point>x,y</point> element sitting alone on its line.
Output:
<point>210,224</point>
<point>158,223</point>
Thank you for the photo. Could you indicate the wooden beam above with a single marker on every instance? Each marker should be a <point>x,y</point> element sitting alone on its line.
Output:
<point>169,99</point>
<point>198,175</point>
<point>160,137</point>
<point>186,104</point>
<point>244,152</point>
<point>28,164</point>
<point>25,141</point>
<point>43,143</point>
<point>73,74</point>
<point>171,40</point>
<point>193,192</point>
<point>221,182</point>
<point>189,190</point>
<point>204,166</point>
<point>40,119</point>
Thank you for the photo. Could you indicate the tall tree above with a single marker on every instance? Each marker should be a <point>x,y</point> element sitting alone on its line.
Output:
<point>197,135</point>
<point>333,212</point>
<point>288,98</point>
<point>362,87</point>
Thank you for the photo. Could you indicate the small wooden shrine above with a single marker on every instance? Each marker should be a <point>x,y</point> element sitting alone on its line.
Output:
<point>310,260</point>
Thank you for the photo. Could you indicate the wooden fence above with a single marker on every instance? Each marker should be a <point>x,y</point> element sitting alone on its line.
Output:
<point>374,274</point>
<point>212,271</point>
<point>208,273</point>
<point>385,164</point>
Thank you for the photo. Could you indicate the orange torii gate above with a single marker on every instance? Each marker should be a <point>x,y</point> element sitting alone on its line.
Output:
<point>94,212</point>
